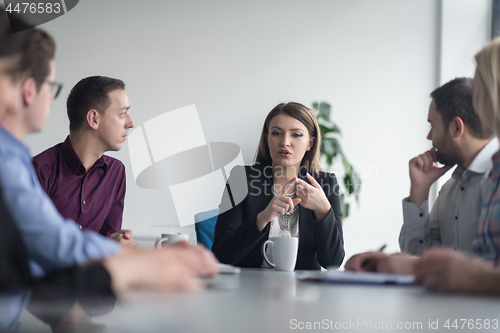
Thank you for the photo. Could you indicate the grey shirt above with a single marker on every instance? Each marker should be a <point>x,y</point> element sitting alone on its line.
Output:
<point>453,219</point>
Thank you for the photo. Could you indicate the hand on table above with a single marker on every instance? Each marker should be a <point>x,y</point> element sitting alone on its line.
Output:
<point>201,260</point>
<point>176,267</point>
<point>313,197</point>
<point>124,239</point>
<point>447,270</point>
<point>397,263</point>
<point>279,204</point>
<point>423,173</point>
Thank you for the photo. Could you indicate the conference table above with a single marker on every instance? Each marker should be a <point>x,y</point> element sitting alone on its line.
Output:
<point>264,300</point>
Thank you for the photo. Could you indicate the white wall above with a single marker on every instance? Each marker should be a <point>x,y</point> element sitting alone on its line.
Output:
<point>465,28</point>
<point>375,61</point>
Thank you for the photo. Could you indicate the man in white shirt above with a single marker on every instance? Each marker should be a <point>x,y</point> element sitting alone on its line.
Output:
<point>457,139</point>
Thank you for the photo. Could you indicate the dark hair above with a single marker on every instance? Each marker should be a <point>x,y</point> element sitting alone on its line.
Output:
<point>34,47</point>
<point>454,99</point>
<point>90,93</point>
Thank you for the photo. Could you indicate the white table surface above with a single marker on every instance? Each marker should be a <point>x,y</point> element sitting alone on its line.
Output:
<point>268,301</point>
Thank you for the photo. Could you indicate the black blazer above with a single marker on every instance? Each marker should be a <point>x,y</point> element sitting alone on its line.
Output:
<point>238,241</point>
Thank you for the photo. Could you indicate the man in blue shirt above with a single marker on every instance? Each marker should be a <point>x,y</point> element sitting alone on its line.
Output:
<point>28,217</point>
<point>52,243</point>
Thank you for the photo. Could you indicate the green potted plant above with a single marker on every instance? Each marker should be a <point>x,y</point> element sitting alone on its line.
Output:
<point>332,153</point>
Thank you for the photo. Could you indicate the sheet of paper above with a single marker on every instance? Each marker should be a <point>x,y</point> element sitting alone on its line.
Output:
<point>367,277</point>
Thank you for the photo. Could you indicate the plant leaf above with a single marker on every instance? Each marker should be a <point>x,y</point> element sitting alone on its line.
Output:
<point>348,183</point>
<point>329,160</point>
<point>331,148</point>
<point>335,128</point>
<point>356,180</point>
<point>326,129</point>
<point>345,163</point>
<point>324,111</point>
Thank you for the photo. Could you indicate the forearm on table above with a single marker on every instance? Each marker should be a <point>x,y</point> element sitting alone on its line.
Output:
<point>123,276</point>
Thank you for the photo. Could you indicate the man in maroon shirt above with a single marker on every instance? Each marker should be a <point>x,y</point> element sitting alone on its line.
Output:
<point>84,184</point>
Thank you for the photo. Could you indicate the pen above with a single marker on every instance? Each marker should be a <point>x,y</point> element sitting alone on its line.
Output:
<point>368,261</point>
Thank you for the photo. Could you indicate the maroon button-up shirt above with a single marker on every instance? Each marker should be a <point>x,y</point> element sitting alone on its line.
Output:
<point>93,199</point>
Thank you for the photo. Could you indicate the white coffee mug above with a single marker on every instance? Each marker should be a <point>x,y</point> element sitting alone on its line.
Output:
<point>284,250</point>
<point>169,239</point>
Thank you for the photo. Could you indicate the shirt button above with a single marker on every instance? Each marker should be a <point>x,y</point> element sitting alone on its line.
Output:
<point>421,241</point>
<point>456,217</point>
<point>80,227</point>
<point>462,188</point>
<point>421,214</point>
<point>84,202</point>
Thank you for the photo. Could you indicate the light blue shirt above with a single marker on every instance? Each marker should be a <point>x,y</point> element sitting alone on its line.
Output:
<point>52,242</point>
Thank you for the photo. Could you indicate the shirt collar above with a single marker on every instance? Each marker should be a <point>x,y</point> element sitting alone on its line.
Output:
<point>482,161</point>
<point>74,162</point>
<point>10,144</point>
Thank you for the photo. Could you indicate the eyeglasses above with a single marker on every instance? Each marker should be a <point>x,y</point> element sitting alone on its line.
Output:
<point>55,87</point>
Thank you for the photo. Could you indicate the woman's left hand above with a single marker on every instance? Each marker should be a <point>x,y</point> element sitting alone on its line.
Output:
<point>313,197</point>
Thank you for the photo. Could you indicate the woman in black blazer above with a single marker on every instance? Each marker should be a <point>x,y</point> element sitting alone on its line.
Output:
<point>283,194</point>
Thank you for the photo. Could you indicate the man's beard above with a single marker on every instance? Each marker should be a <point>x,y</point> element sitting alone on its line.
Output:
<point>448,153</point>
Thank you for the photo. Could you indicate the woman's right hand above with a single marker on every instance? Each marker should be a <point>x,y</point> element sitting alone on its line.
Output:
<point>279,204</point>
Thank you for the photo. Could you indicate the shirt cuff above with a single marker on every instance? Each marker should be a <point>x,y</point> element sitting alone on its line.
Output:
<point>415,215</point>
